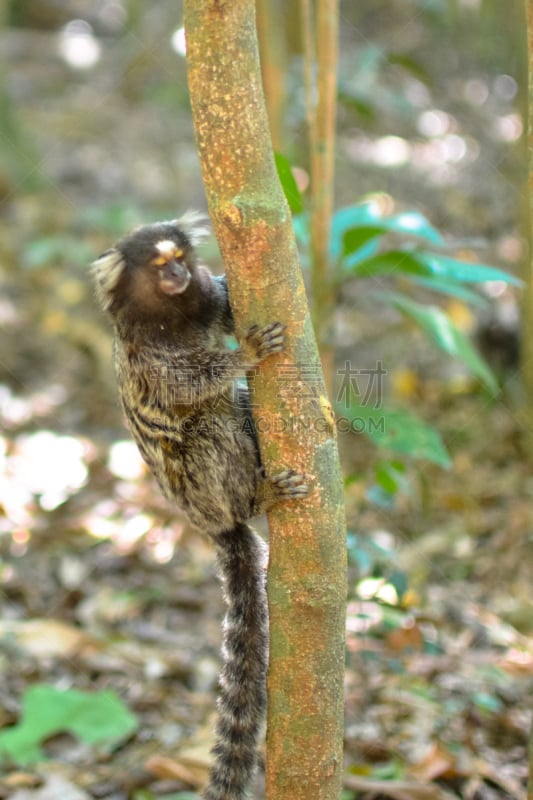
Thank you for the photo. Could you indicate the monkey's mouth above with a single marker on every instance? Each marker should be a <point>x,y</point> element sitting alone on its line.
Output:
<point>174,277</point>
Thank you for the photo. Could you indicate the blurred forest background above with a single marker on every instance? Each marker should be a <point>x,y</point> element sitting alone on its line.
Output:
<point>104,589</point>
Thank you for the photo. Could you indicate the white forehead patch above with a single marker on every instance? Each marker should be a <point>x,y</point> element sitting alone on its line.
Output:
<point>166,248</point>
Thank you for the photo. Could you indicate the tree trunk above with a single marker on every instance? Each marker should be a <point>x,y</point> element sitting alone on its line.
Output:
<point>307,571</point>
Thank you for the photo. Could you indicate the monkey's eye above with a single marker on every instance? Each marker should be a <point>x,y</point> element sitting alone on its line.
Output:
<point>166,251</point>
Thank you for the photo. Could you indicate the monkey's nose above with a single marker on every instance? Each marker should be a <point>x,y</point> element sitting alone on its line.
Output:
<point>174,277</point>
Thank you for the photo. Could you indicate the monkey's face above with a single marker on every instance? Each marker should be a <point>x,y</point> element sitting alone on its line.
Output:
<point>149,267</point>
<point>170,266</point>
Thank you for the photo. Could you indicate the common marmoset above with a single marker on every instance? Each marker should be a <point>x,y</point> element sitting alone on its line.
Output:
<point>193,426</point>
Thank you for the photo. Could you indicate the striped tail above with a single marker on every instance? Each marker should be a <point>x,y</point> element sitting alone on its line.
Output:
<point>241,556</point>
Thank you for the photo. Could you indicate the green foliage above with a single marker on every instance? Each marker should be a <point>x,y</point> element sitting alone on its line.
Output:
<point>354,226</point>
<point>373,560</point>
<point>399,431</point>
<point>391,479</point>
<point>358,248</point>
<point>292,193</point>
<point>441,330</point>
<point>57,249</point>
<point>370,557</point>
<point>97,718</point>
<point>355,240</point>
<point>390,475</point>
<point>425,265</point>
<point>487,702</point>
<point>369,87</point>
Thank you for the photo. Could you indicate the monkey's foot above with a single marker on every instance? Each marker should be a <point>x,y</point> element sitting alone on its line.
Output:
<point>267,340</point>
<point>286,485</point>
<point>290,485</point>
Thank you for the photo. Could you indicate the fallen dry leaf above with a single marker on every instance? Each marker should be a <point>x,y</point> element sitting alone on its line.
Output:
<point>168,768</point>
<point>437,762</point>
<point>47,637</point>
<point>399,790</point>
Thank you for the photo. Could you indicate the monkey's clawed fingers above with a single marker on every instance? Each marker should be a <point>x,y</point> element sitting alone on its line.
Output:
<point>291,485</point>
<point>267,340</point>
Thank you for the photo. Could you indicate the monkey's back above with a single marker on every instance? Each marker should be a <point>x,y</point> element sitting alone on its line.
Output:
<point>201,449</point>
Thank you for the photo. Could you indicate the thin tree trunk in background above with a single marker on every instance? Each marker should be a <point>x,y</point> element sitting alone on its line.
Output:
<point>273,53</point>
<point>320,32</point>
<point>307,569</point>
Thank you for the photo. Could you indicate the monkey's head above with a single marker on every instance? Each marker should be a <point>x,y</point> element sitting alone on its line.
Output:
<point>148,270</point>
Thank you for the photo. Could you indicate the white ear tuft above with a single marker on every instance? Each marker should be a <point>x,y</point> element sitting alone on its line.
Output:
<point>195,225</point>
<point>106,271</point>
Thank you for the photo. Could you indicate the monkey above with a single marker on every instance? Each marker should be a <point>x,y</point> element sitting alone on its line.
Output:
<point>193,426</point>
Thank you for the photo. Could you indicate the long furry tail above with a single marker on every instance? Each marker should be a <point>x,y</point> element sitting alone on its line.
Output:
<point>241,556</point>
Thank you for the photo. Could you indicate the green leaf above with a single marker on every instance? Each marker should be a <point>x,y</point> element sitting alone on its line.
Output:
<point>411,65</point>
<point>300,223</point>
<point>425,264</point>
<point>445,286</point>
<point>400,581</point>
<point>371,224</point>
<point>393,262</point>
<point>292,193</point>
<point>362,214</point>
<point>94,717</point>
<point>385,479</point>
<point>415,224</point>
<point>364,221</point>
<point>357,103</point>
<point>399,431</point>
<point>391,771</point>
<point>364,251</point>
<point>465,271</point>
<point>405,433</point>
<point>487,702</point>
<point>355,238</point>
<point>440,328</point>
<point>390,475</point>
